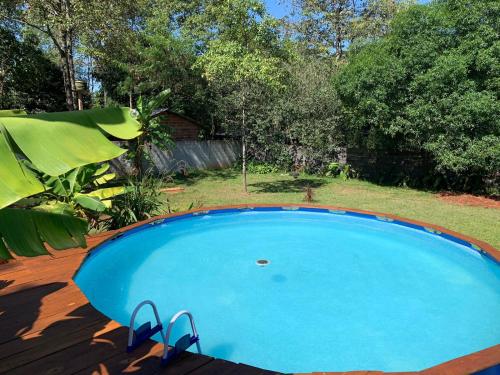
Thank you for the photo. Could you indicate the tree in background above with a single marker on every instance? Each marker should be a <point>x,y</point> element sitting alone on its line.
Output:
<point>374,18</point>
<point>329,27</point>
<point>65,23</point>
<point>431,85</point>
<point>324,25</point>
<point>308,114</point>
<point>242,64</point>
<point>28,78</point>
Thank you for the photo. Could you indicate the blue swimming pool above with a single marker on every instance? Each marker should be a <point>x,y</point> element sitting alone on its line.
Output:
<point>338,291</point>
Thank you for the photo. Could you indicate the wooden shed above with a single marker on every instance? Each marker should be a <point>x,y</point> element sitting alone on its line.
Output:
<point>182,127</point>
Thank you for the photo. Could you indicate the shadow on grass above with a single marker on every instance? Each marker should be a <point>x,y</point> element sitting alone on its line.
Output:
<point>194,177</point>
<point>287,186</point>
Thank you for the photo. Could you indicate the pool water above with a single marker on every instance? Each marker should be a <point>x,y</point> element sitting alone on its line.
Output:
<point>338,292</point>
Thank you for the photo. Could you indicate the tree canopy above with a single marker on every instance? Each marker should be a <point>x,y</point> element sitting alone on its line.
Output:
<point>431,85</point>
<point>380,75</point>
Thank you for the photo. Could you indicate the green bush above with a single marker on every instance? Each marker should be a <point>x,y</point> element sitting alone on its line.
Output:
<point>142,201</point>
<point>261,168</point>
<point>431,86</point>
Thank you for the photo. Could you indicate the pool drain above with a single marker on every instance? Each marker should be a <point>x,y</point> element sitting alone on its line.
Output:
<point>262,262</point>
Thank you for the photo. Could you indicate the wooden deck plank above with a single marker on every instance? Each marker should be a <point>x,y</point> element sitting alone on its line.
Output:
<point>28,320</point>
<point>186,363</point>
<point>216,367</point>
<point>85,354</point>
<point>145,360</point>
<point>8,268</point>
<point>33,348</point>
<point>40,274</point>
<point>251,370</point>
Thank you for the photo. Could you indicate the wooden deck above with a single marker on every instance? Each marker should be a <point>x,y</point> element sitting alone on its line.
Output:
<point>47,326</point>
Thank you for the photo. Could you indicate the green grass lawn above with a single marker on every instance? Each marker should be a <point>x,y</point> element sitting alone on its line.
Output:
<point>221,187</point>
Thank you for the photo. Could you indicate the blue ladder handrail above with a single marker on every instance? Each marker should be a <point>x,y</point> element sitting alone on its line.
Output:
<point>136,338</point>
<point>144,332</point>
<point>184,342</point>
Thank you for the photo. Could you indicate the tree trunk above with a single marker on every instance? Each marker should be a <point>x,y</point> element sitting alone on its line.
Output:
<point>244,151</point>
<point>138,157</point>
<point>70,104</point>
<point>338,33</point>
<point>71,66</point>
<point>130,100</point>
<point>60,39</point>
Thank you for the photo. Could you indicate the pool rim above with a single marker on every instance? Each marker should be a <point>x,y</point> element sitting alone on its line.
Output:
<point>469,363</point>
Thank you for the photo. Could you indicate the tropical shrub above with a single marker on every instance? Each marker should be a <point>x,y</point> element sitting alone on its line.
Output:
<point>153,133</point>
<point>142,200</point>
<point>344,171</point>
<point>261,168</point>
<point>83,191</point>
<point>54,143</point>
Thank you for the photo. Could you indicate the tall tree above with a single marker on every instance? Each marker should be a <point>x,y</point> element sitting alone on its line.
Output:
<point>152,56</point>
<point>243,60</point>
<point>374,18</point>
<point>324,25</point>
<point>65,22</point>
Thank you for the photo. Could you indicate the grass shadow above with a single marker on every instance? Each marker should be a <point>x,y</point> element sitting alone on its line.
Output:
<point>195,176</point>
<point>287,186</point>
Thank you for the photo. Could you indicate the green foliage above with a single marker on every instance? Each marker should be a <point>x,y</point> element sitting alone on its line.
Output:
<point>343,171</point>
<point>431,85</point>
<point>153,133</point>
<point>154,54</point>
<point>80,191</point>
<point>261,168</point>
<point>52,144</point>
<point>142,200</point>
<point>66,24</point>
<point>55,143</point>
<point>300,128</point>
<point>25,232</point>
<point>374,19</point>
<point>28,78</point>
<point>333,169</point>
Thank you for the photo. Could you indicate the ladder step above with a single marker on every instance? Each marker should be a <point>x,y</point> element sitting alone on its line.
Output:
<point>142,334</point>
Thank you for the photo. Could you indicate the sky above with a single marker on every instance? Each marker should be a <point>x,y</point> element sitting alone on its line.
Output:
<point>281,8</point>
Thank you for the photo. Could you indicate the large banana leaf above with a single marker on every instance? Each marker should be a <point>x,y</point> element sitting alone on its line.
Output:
<point>56,143</point>
<point>107,193</point>
<point>16,181</point>
<point>25,232</point>
<point>89,202</point>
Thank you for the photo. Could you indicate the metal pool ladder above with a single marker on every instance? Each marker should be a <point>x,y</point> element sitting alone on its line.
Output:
<point>137,336</point>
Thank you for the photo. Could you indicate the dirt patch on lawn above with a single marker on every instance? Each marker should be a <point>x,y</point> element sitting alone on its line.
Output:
<point>469,200</point>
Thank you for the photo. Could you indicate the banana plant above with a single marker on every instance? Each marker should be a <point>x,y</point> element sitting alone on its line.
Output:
<point>153,133</point>
<point>55,144</point>
<point>81,189</point>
